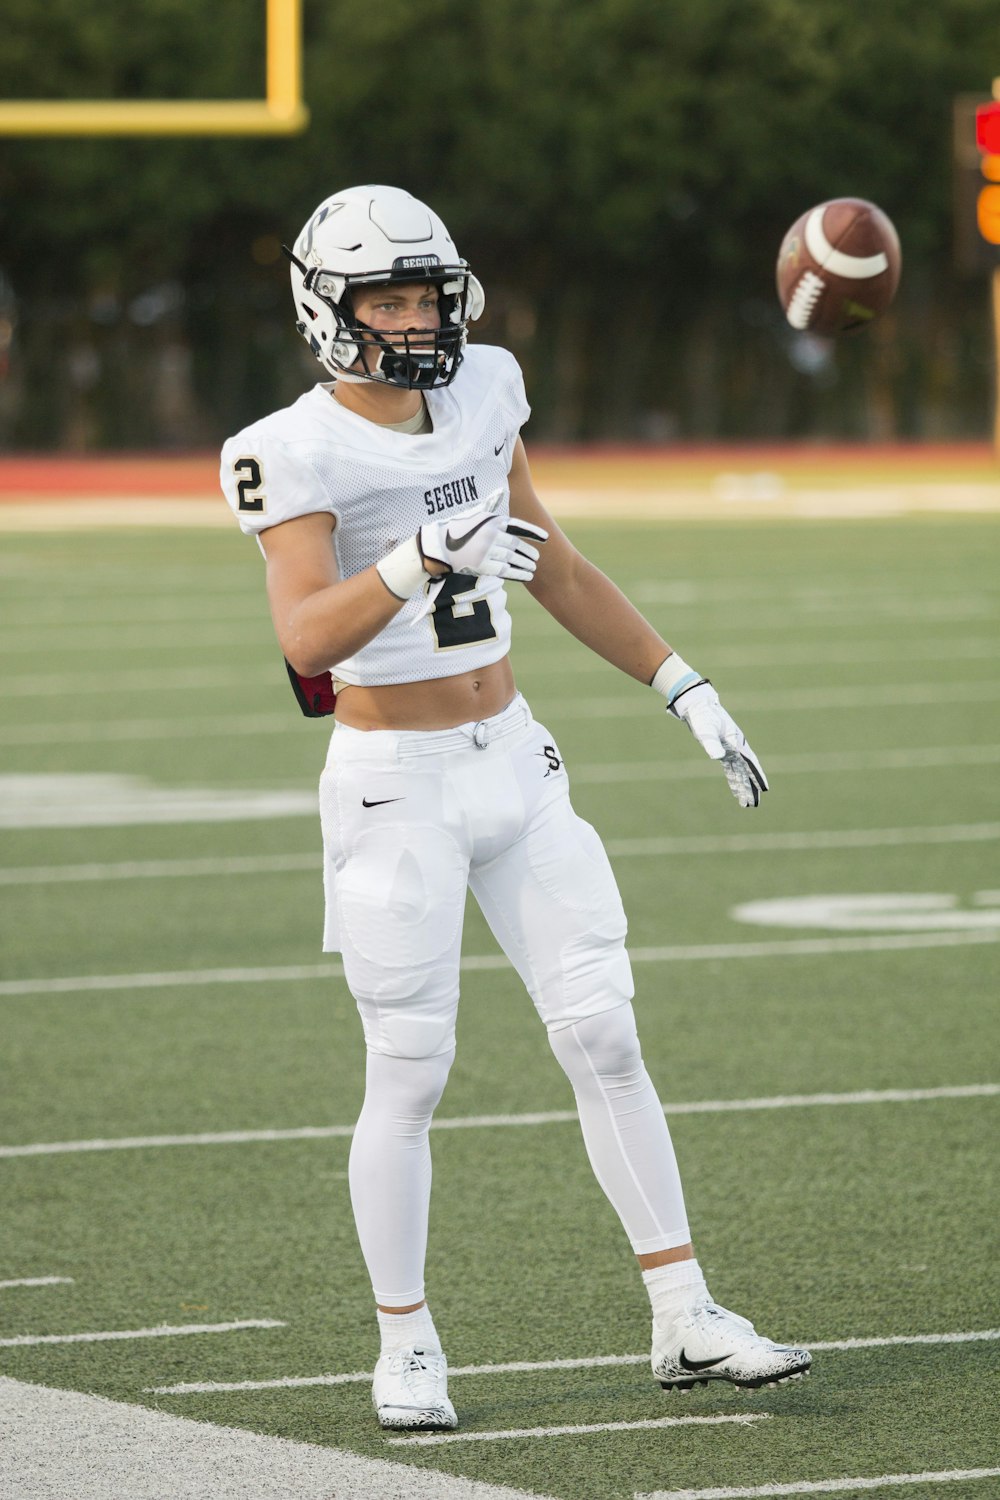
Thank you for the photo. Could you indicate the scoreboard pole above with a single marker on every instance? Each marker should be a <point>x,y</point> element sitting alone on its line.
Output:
<point>996,359</point>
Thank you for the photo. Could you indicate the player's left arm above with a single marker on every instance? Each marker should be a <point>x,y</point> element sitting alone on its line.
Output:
<point>592,608</point>
<point>577,594</point>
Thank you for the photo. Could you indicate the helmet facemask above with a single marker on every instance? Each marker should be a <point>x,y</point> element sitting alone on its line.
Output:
<point>410,359</point>
<point>371,237</point>
<point>413,359</point>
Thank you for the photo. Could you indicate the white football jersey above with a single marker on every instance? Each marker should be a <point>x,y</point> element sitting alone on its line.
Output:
<point>381,486</point>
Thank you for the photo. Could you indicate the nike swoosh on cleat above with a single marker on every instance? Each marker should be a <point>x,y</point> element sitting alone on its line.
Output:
<point>460,541</point>
<point>694,1365</point>
<point>380,801</point>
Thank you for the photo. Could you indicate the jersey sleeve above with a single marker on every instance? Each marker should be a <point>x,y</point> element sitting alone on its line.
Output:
<point>265,483</point>
<point>515,399</point>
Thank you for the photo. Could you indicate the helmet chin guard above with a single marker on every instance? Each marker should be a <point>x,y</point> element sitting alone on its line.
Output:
<point>380,236</point>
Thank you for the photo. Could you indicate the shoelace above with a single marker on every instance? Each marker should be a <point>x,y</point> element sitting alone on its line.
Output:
<point>706,1308</point>
<point>420,1373</point>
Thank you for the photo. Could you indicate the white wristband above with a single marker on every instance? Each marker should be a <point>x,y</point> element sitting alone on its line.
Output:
<point>672,676</point>
<point>402,570</point>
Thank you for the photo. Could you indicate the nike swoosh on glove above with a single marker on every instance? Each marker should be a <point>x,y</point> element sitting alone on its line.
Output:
<point>479,542</point>
<point>721,738</point>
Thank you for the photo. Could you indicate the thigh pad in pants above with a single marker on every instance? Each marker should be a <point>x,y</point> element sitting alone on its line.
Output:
<point>399,888</point>
<point>553,903</point>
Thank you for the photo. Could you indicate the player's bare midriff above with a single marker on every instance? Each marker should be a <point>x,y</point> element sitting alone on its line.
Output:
<point>439,704</point>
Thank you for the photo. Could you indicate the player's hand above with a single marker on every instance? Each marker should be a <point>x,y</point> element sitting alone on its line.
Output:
<point>721,738</point>
<point>479,542</point>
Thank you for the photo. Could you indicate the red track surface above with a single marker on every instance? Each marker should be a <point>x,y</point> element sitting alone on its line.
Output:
<point>153,475</point>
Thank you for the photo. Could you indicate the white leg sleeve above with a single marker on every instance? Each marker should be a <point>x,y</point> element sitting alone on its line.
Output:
<point>624,1130</point>
<point>390,1171</point>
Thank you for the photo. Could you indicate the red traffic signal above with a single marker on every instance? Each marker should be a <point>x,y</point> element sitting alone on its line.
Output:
<point>988,128</point>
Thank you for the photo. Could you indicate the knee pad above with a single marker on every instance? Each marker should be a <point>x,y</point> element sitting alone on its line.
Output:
<point>406,1014</point>
<point>406,1086</point>
<point>596,974</point>
<point>604,1045</point>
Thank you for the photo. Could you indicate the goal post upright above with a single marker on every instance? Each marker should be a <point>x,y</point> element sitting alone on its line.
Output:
<point>280,112</point>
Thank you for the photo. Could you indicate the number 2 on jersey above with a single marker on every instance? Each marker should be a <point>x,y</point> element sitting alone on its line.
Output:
<point>254,481</point>
<point>458,621</point>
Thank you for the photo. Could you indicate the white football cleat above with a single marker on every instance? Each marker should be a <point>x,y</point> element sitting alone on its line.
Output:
<point>707,1342</point>
<point>410,1389</point>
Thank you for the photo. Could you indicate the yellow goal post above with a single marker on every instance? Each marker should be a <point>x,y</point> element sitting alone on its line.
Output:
<point>281,112</point>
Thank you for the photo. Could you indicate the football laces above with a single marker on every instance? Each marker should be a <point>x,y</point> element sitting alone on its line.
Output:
<point>804,299</point>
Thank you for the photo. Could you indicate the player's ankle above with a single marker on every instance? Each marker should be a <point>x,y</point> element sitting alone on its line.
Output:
<point>412,1330</point>
<point>674,1287</point>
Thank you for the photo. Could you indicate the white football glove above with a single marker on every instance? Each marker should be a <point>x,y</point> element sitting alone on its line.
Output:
<point>694,700</point>
<point>486,545</point>
<point>476,541</point>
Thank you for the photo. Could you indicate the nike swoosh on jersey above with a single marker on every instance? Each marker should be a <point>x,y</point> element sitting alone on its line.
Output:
<point>460,541</point>
<point>497,451</point>
<point>380,801</point>
<point>694,1365</point>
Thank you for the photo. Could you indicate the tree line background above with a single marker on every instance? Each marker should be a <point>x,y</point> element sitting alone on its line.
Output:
<point>619,173</point>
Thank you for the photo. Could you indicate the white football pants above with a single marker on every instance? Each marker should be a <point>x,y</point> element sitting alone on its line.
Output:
<point>410,821</point>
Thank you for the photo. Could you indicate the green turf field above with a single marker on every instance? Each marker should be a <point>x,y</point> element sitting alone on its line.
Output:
<point>147,868</point>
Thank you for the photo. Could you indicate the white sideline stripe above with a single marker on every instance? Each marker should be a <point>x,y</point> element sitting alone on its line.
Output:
<point>821,1486</point>
<point>910,758</point>
<point>884,695</point>
<point>432,1439</point>
<point>147,806</point>
<point>559,663</point>
<point>62,1443</point>
<point>165,1332</point>
<point>280,864</point>
<point>527,1367</point>
<point>160,869</point>
<point>871,695</point>
<point>835,838</point>
<point>38,1281</point>
<point>492,1122</point>
<point>477,963</point>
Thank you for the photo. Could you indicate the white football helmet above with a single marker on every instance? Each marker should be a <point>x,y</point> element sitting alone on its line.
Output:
<point>375,235</point>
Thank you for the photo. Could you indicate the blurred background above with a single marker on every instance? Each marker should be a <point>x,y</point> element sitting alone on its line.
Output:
<point>619,173</point>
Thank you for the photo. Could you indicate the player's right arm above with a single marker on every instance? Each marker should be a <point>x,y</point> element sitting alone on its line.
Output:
<point>320,618</point>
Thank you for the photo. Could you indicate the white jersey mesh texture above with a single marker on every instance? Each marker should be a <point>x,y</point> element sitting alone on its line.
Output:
<point>380,486</point>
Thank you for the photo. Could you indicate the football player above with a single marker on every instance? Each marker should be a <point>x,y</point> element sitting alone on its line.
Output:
<point>394,504</point>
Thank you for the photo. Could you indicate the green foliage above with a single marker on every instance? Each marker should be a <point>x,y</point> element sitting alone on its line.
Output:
<point>573,148</point>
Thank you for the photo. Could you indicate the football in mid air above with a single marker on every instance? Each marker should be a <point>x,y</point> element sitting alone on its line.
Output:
<point>838,267</point>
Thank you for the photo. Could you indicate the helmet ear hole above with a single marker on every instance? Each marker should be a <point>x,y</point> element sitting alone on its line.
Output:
<point>476,302</point>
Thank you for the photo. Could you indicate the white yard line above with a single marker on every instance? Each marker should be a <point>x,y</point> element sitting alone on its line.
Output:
<point>160,869</point>
<point>476,963</point>
<point>830,762</point>
<point>61,1443</point>
<point>529,1367</point>
<point>433,1439</point>
<point>481,1122</point>
<point>37,1281</point>
<point>634,705</point>
<point>493,1122</point>
<point>559,662</point>
<point>282,864</point>
<point>137,1333</point>
<point>103,801</point>
<point>822,1486</point>
<point>849,696</point>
